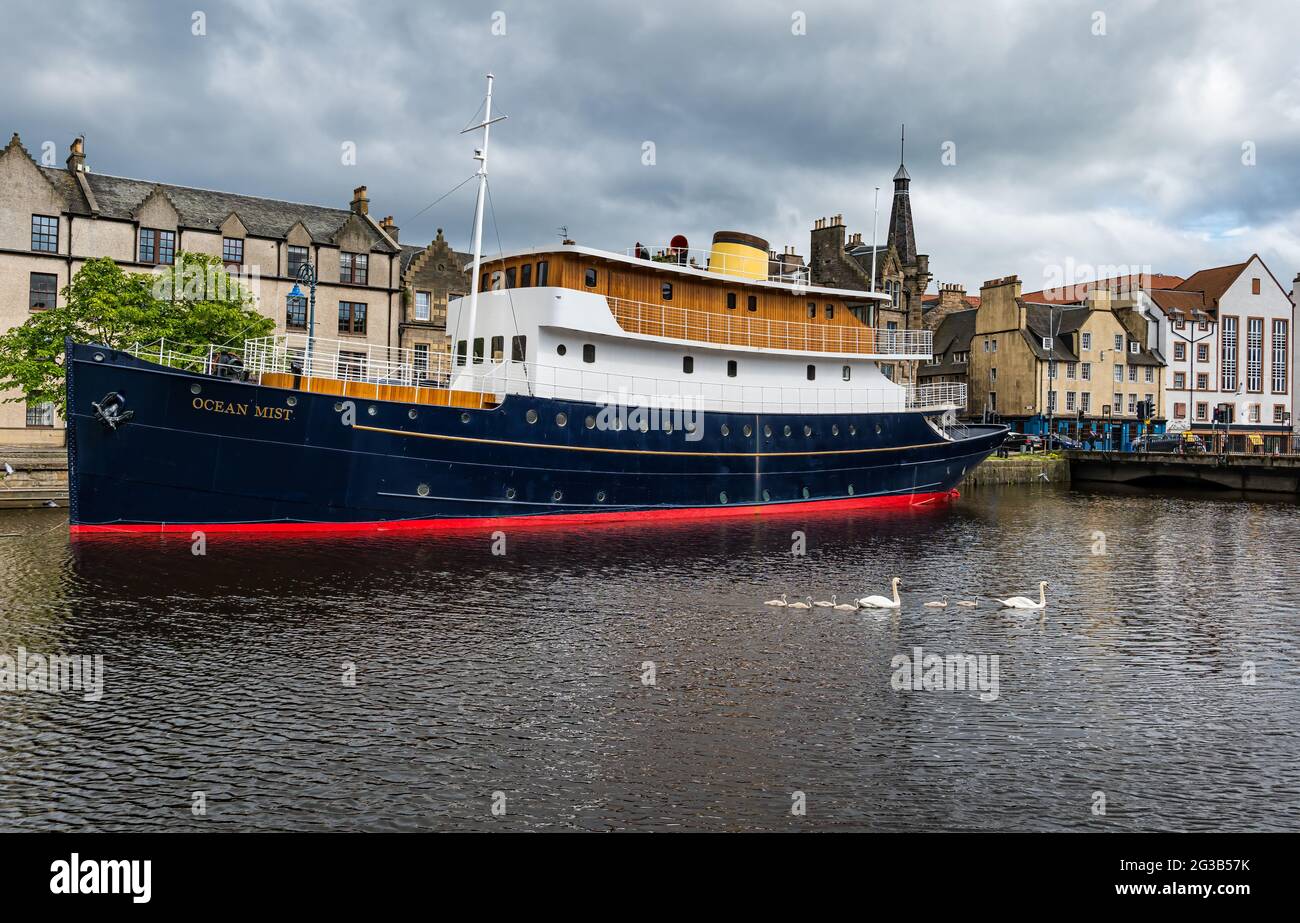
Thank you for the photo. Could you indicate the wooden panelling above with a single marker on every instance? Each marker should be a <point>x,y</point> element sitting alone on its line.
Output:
<point>369,391</point>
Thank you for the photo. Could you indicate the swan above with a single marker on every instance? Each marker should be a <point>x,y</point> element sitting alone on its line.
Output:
<point>1024,602</point>
<point>883,602</point>
<point>848,607</point>
<point>938,604</point>
<point>968,603</point>
<point>807,604</point>
<point>777,602</point>
<point>826,605</point>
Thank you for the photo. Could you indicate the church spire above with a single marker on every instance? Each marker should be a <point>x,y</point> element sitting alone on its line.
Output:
<point>902,236</point>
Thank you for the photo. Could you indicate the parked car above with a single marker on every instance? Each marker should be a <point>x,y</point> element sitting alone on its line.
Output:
<point>1061,441</point>
<point>1169,444</point>
<point>1021,442</point>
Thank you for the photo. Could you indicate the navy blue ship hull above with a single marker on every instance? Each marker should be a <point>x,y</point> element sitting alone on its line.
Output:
<point>202,451</point>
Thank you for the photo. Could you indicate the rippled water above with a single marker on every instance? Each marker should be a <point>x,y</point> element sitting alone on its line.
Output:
<point>522,674</point>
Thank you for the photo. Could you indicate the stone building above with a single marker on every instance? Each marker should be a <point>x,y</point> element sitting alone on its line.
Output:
<point>431,276</point>
<point>54,219</point>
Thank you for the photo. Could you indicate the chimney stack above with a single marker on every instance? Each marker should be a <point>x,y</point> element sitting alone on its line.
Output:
<point>389,228</point>
<point>360,201</point>
<point>77,155</point>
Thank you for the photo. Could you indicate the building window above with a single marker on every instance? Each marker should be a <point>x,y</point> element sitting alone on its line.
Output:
<point>352,317</point>
<point>44,292</point>
<point>354,267</point>
<point>518,348</point>
<point>1085,402</point>
<point>1180,324</point>
<point>688,365</point>
<point>232,250</point>
<point>1180,380</point>
<point>1119,373</point>
<point>295,312</point>
<point>1180,352</point>
<point>751,303</point>
<point>1149,374</point>
<point>1279,413</point>
<point>542,266</point>
<point>1051,402</point>
<point>1228,336</point>
<point>526,275</point>
<point>1202,381</point>
<point>666,291</point>
<point>1134,347</point>
<point>40,416</point>
<point>731,368</point>
<point>1085,371</point>
<point>157,247</point>
<point>1132,403</point>
<point>993,374</point>
<point>421,305</point>
<point>1254,286</point>
<point>589,278</point>
<point>1119,343</point>
<point>588,352</point>
<point>1117,401</point>
<point>420,359</point>
<point>1087,340</point>
<point>1254,354</point>
<point>1070,369</point>
<point>1280,364</point>
<point>1132,373</point>
<point>812,373</point>
<point>1202,410</point>
<point>297,259</point>
<point>1069,400</point>
<point>1254,413</point>
<point>498,348</point>
<point>1203,352</point>
<point>45,233</point>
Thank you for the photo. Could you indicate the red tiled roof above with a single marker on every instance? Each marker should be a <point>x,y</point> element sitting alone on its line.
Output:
<point>1070,294</point>
<point>1213,282</point>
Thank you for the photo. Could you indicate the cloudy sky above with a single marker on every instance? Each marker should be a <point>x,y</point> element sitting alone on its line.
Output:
<point>1161,134</point>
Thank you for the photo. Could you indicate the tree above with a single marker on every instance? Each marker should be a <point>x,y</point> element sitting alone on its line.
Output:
<point>195,302</point>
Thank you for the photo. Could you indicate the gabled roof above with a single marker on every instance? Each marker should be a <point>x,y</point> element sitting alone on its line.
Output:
<point>953,335</point>
<point>1180,304</point>
<point>1212,283</point>
<point>1072,294</point>
<point>119,197</point>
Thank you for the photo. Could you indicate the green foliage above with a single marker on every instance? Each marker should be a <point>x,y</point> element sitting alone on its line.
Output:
<point>193,302</point>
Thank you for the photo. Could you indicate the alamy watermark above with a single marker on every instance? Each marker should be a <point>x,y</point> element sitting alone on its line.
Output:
<point>950,673</point>
<point>674,413</point>
<point>56,673</point>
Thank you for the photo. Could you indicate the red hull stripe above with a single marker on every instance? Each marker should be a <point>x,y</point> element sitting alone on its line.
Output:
<point>558,519</point>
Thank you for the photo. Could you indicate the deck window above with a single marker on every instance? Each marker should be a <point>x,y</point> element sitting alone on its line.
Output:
<point>846,373</point>
<point>731,368</point>
<point>688,364</point>
<point>478,350</point>
<point>541,272</point>
<point>498,348</point>
<point>518,348</point>
<point>812,309</point>
<point>461,348</point>
<point>830,312</point>
<point>666,290</point>
<point>751,303</point>
<point>812,373</point>
<point>731,301</point>
<point>510,277</point>
<point>590,278</point>
<point>526,275</point>
<point>483,283</point>
<point>588,352</point>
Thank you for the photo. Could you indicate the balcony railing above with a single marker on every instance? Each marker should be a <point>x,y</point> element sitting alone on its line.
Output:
<point>731,264</point>
<point>737,328</point>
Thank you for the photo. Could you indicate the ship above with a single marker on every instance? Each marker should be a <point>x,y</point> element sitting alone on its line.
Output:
<point>580,385</point>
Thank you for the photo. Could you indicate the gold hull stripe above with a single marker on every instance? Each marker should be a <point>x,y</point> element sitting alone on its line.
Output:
<point>578,448</point>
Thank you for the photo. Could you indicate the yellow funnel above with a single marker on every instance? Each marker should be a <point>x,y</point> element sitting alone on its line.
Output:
<point>738,254</point>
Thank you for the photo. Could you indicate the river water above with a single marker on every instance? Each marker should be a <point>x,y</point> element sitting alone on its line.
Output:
<point>631,678</point>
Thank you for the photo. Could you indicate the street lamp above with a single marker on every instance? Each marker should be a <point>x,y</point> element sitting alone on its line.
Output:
<point>307,275</point>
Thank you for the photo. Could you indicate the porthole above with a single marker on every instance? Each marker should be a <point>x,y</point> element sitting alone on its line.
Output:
<point>561,350</point>
<point>412,414</point>
<point>668,427</point>
<point>561,419</point>
<point>423,490</point>
<point>557,496</point>
<point>689,427</point>
<point>464,417</point>
<point>877,429</point>
<point>835,429</point>
<point>291,400</point>
<point>767,430</point>
<point>853,430</point>
<point>807,431</point>
<point>372,410</point>
<point>196,388</point>
<point>748,431</point>
<point>99,357</point>
<point>645,427</point>
<point>850,490</point>
<point>590,422</point>
<point>786,431</point>
<point>726,430</point>
<point>510,493</point>
<point>600,496</point>
<point>531,416</point>
<point>338,406</point>
<point>805,493</point>
<point>767,495</point>
<point>722,497</point>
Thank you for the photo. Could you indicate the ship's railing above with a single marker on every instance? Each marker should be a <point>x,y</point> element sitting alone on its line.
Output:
<point>344,360</point>
<point>948,394</point>
<point>187,357</point>
<point>738,328</point>
<point>731,264</point>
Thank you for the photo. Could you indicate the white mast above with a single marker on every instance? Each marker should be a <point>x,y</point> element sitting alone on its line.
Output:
<point>481,156</point>
<point>875,219</point>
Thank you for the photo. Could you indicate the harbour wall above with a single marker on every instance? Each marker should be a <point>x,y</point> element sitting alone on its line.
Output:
<point>1019,469</point>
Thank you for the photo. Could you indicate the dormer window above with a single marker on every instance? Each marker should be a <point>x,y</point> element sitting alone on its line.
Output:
<point>297,259</point>
<point>354,267</point>
<point>1134,348</point>
<point>158,247</point>
<point>232,250</point>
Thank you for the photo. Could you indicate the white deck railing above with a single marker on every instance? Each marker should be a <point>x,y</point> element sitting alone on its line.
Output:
<point>739,328</point>
<point>731,264</point>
